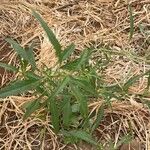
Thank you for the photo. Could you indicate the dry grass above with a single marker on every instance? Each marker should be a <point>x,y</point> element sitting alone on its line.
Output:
<point>98,23</point>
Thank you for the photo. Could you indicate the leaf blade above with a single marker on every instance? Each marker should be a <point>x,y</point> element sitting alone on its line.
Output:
<point>54,115</point>
<point>52,38</point>
<point>81,99</point>
<point>18,87</point>
<point>31,108</point>
<point>98,118</point>
<point>82,135</point>
<point>20,51</point>
<point>8,67</point>
<point>68,51</point>
<point>60,86</point>
<point>67,112</point>
<point>31,57</point>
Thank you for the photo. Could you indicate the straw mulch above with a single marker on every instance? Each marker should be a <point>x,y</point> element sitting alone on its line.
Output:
<point>97,23</point>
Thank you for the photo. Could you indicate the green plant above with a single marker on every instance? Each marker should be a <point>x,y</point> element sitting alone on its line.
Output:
<point>65,90</point>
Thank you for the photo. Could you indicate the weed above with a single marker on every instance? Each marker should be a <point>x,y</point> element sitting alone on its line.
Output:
<point>64,91</point>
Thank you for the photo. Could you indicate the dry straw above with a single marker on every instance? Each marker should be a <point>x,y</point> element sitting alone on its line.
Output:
<point>98,23</point>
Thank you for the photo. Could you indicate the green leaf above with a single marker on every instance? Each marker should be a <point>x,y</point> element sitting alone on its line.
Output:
<point>131,22</point>
<point>83,83</point>
<point>18,87</point>
<point>31,108</point>
<point>20,51</point>
<point>60,87</point>
<point>50,34</point>
<point>81,99</point>
<point>32,76</point>
<point>54,114</point>
<point>124,140</point>
<point>82,135</point>
<point>131,81</point>
<point>84,58</point>
<point>77,63</point>
<point>71,65</point>
<point>99,117</point>
<point>68,51</point>
<point>53,106</point>
<point>113,88</point>
<point>67,111</point>
<point>31,57</point>
<point>8,67</point>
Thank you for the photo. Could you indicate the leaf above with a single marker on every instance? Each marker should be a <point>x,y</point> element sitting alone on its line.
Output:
<point>50,34</point>
<point>99,117</point>
<point>20,51</point>
<point>54,114</point>
<point>60,87</point>
<point>81,99</point>
<point>84,57</point>
<point>68,51</point>
<point>133,79</point>
<point>31,57</point>
<point>31,108</point>
<point>83,83</point>
<point>67,112</point>
<point>18,87</point>
<point>82,135</point>
<point>124,140</point>
<point>71,65</point>
<point>77,63</point>
<point>32,76</point>
<point>131,22</point>
<point>113,88</point>
<point>8,67</point>
<point>53,106</point>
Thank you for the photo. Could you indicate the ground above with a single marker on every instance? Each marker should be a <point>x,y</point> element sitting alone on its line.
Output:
<point>102,24</point>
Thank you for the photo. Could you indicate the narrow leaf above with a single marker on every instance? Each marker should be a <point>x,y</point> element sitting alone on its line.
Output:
<point>8,67</point>
<point>81,99</point>
<point>68,51</point>
<point>71,65</point>
<point>31,108</point>
<point>99,117</point>
<point>124,140</point>
<point>84,57</point>
<point>82,135</point>
<point>20,51</point>
<point>131,81</point>
<point>31,57</point>
<point>50,34</point>
<point>60,87</point>
<point>53,106</point>
<point>77,63</point>
<point>18,87</point>
<point>54,115</point>
<point>67,112</point>
<point>83,83</point>
<point>32,76</point>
